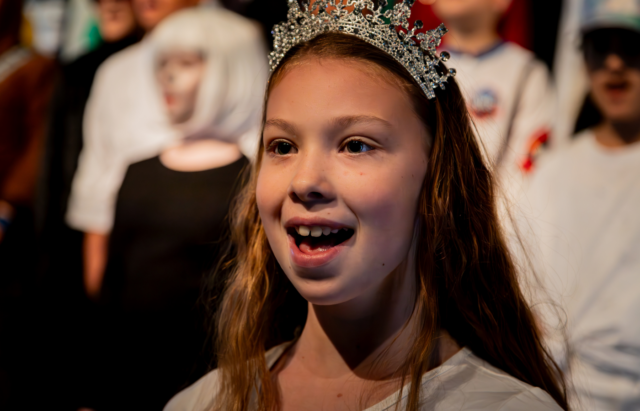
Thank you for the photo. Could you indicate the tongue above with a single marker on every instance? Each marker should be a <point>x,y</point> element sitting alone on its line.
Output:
<point>312,245</point>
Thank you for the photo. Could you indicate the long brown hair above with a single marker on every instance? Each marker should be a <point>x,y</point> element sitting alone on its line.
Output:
<point>466,279</point>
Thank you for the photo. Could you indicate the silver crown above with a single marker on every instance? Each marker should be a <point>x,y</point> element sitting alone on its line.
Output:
<point>388,30</point>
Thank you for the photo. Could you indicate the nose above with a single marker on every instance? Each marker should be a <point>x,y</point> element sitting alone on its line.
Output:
<point>614,62</point>
<point>311,183</point>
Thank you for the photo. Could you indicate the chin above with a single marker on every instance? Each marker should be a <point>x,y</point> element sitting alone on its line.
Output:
<point>324,291</point>
<point>622,116</point>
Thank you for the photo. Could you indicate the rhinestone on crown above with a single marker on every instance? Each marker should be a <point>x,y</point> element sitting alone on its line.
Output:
<point>388,30</point>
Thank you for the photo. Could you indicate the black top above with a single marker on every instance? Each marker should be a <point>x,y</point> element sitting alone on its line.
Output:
<point>165,233</point>
<point>166,236</point>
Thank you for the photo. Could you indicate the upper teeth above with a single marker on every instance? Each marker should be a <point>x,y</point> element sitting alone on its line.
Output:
<point>315,231</point>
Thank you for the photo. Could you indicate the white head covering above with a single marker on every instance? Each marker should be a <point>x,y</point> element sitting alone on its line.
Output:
<point>230,97</point>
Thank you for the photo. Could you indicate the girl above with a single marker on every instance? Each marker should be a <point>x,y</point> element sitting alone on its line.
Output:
<point>369,224</point>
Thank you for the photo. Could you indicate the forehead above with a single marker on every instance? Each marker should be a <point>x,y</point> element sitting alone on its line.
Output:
<point>317,89</point>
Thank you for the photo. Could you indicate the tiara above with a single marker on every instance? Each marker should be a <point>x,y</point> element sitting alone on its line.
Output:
<point>386,29</point>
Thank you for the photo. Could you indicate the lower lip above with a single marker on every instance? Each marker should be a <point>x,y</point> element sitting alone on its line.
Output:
<point>316,259</point>
<point>616,92</point>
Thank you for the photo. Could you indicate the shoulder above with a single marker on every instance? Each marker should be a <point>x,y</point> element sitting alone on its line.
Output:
<point>533,399</point>
<point>36,72</point>
<point>41,63</point>
<point>507,391</point>
<point>519,56</point>
<point>473,384</point>
<point>564,158</point>
<point>200,395</point>
<point>197,397</point>
<point>514,51</point>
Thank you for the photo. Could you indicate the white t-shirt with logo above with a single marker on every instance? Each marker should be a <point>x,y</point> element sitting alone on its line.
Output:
<point>583,209</point>
<point>511,100</point>
<point>464,382</point>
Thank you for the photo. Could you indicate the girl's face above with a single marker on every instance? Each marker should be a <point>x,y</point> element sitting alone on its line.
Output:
<point>344,162</point>
<point>179,74</point>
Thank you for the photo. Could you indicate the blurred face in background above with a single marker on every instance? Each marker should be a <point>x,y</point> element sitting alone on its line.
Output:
<point>151,12</point>
<point>613,62</point>
<point>179,74</point>
<point>464,14</point>
<point>115,18</point>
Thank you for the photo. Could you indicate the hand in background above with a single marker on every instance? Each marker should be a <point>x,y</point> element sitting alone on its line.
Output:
<point>95,260</point>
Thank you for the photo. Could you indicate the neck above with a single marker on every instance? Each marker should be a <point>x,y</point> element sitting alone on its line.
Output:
<point>350,337</point>
<point>200,155</point>
<point>472,38</point>
<point>618,134</point>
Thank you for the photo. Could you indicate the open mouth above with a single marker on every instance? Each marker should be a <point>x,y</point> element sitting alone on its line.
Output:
<point>617,86</point>
<point>318,239</point>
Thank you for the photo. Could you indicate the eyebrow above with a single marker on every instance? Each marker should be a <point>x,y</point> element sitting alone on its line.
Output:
<point>336,123</point>
<point>348,121</point>
<point>283,125</point>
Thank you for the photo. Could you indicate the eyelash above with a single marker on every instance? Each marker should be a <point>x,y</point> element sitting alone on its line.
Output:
<point>361,141</point>
<point>273,146</point>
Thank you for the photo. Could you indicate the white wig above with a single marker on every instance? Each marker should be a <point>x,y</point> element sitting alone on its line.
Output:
<point>230,97</point>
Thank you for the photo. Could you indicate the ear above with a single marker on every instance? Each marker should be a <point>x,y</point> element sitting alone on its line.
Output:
<point>427,2</point>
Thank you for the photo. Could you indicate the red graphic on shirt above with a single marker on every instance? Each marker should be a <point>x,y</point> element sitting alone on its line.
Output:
<point>539,140</point>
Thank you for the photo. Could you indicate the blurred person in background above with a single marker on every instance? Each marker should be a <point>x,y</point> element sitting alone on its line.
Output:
<point>584,203</point>
<point>118,30</point>
<point>508,91</point>
<point>124,123</point>
<point>25,86</point>
<point>210,68</point>
<point>68,315</point>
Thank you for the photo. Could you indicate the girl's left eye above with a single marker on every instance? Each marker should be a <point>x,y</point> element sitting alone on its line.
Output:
<point>357,146</point>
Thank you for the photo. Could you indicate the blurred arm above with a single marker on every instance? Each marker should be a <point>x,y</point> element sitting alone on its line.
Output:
<point>95,250</point>
<point>534,121</point>
<point>90,207</point>
<point>97,178</point>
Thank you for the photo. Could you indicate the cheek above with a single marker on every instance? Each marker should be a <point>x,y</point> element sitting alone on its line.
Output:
<point>385,202</point>
<point>187,80</point>
<point>597,82</point>
<point>264,196</point>
<point>271,191</point>
<point>635,84</point>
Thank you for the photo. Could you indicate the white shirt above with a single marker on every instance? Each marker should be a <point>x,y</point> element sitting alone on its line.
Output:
<point>584,210</point>
<point>124,122</point>
<point>490,83</point>
<point>570,72</point>
<point>464,382</point>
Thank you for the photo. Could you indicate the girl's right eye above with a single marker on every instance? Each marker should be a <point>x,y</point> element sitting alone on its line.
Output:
<point>282,148</point>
